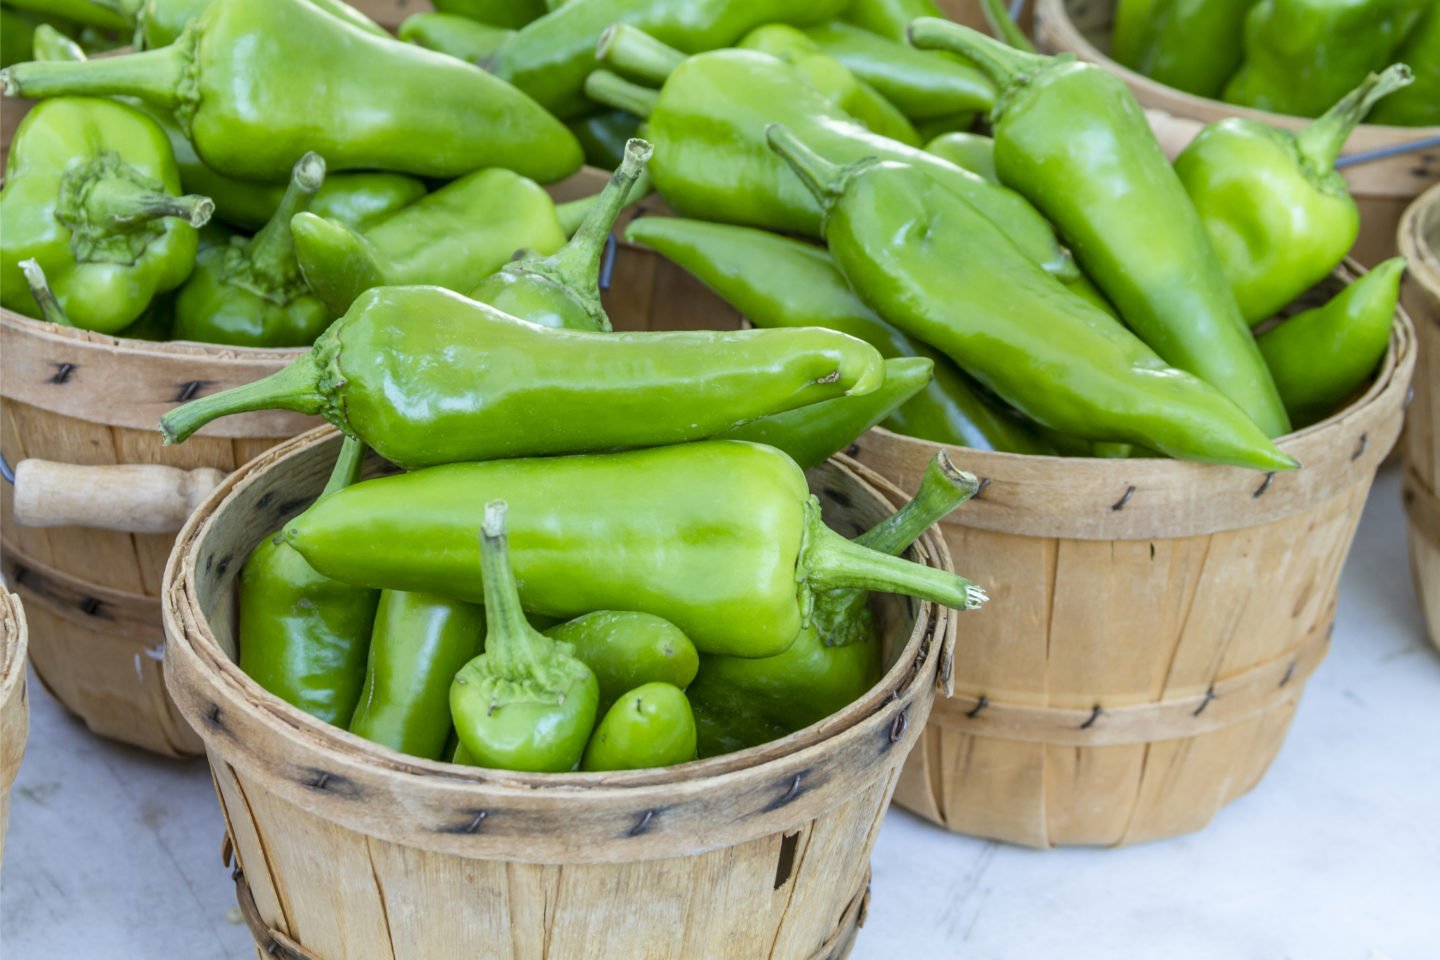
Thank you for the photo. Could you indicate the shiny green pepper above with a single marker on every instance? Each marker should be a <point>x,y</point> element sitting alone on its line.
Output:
<point>92,194</point>
<point>250,293</point>
<point>512,14</point>
<point>603,136</point>
<point>454,36</point>
<point>721,538</point>
<point>1191,45</point>
<point>526,703</point>
<point>1322,356</point>
<point>304,637</point>
<point>1277,212</point>
<point>973,151</point>
<point>1418,105</point>
<point>931,265</point>
<point>427,377</point>
<point>50,44</point>
<point>159,23</point>
<point>241,80</point>
<point>889,18</point>
<point>1071,138</point>
<point>626,649</point>
<point>650,726</point>
<point>115,15</point>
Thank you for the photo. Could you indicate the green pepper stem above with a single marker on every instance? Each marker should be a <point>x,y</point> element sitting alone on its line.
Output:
<point>347,465</point>
<point>830,561</point>
<point>155,76</point>
<point>943,488</point>
<point>1003,65</point>
<point>997,14</point>
<point>824,179</point>
<point>1321,142</point>
<point>120,203</point>
<point>510,641</point>
<point>573,213</point>
<point>50,308</point>
<point>272,251</point>
<point>634,53</point>
<point>613,90</point>
<point>295,387</point>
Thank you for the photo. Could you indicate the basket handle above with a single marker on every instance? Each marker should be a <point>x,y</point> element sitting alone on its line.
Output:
<point>129,498</point>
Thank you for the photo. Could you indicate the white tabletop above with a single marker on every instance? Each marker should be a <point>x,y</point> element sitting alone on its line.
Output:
<point>1335,856</point>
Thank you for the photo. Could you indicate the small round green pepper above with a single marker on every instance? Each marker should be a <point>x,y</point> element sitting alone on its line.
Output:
<point>651,726</point>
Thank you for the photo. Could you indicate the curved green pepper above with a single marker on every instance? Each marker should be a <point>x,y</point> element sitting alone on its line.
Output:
<point>923,85</point>
<point>250,293</point>
<point>1302,55</point>
<point>650,726</point>
<point>604,135</point>
<point>1277,212</point>
<point>711,162</point>
<point>1418,105</point>
<point>91,193</point>
<point>1071,138</point>
<point>420,642</point>
<point>776,281</point>
<point>425,377</point>
<point>563,290</point>
<point>721,538</point>
<point>889,18</point>
<point>512,14</point>
<point>1191,45</point>
<point>159,23</point>
<point>484,218</point>
<point>526,703</point>
<point>454,36</point>
<point>550,58</point>
<point>1322,356</point>
<point>113,15</point>
<point>154,323</point>
<point>50,44</point>
<point>304,637</point>
<point>915,252</point>
<point>836,658</point>
<point>238,78</point>
<point>626,649</point>
<point>973,151</point>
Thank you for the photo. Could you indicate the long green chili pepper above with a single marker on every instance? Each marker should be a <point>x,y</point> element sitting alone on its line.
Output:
<point>603,136</point>
<point>973,151</point>
<point>304,637</point>
<point>159,23</point>
<point>1070,137</point>
<point>926,261</point>
<point>526,703</point>
<point>118,15</point>
<point>889,18</point>
<point>454,36</point>
<point>1418,105</point>
<point>513,14</point>
<point>626,649</point>
<point>721,538</point>
<point>1191,45</point>
<point>425,376</point>
<point>650,726</point>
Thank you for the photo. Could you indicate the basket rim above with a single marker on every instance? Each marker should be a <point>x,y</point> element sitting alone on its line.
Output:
<point>1422,261</point>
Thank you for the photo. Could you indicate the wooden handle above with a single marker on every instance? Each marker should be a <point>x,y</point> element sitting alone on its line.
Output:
<point>130,498</point>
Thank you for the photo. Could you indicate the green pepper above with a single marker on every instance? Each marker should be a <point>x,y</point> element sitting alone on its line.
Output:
<point>112,15</point>
<point>775,281</point>
<point>711,161</point>
<point>1070,137</point>
<point>923,85</point>
<point>17,33</point>
<point>425,376</point>
<point>889,18</point>
<point>250,293</point>
<point>626,649</point>
<point>91,193</point>
<point>1191,45</point>
<point>50,44</point>
<point>973,151</point>
<point>243,81</point>
<point>563,290</point>
<point>721,538</point>
<point>931,265</point>
<point>603,136</point>
<point>454,36</point>
<point>304,637</point>
<point>512,14</point>
<point>1277,212</point>
<point>159,23</point>
<point>650,726</point>
<point>154,323</point>
<point>526,703</point>
<point>1302,55</point>
<point>1418,105</point>
<point>483,218</point>
<point>832,79</point>
<point>813,434</point>
<point>1322,356</point>
<point>550,58</point>
<point>419,643</point>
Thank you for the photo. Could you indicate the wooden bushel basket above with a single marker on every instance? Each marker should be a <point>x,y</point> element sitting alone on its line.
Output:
<point>1151,627</point>
<point>351,851</point>
<point>1382,188</point>
<point>1420,245</point>
<point>14,704</point>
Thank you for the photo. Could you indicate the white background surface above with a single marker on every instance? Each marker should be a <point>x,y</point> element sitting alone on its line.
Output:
<point>1335,856</point>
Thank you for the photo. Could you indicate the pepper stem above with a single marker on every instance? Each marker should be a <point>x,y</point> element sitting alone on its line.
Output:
<point>50,308</point>
<point>347,465</point>
<point>573,212</point>
<point>943,488</point>
<point>1321,142</point>
<point>1003,65</point>
<point>295,387</point>
<point>510,641</point>
<point>156,76</point>
<point>120,203</point>
<point>822,178</point>
<point>634,53</point>
<point>997,14</point>
<point>613,90</point>
<point>272,251</point>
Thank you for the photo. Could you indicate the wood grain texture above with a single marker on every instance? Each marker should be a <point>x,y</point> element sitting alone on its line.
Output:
<point>1141,657</point>
<point>1382,188</point>
<point>352,850</point>
<point>14,703</point>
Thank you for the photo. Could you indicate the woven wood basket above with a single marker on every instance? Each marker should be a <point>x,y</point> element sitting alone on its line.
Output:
<point>14,703</point>
<point>1382,188</point>
<point>1420,245</point>
<point>1151,628</point>
<point>350,851</point>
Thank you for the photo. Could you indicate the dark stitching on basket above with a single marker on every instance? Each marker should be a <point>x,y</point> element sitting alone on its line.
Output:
<point>1119,505</point>
<point>899,725</point>
<point>90,606</point>
<point>840,498</point>
<point>1360,450</point>
<point>189,390</point>
<point>981,704</point>
<point>1094,715</point>
<point>320,782</point>
<point>1209,695</point>
<point>212,717</point>
<point>643,826</point>
<point>1289,673</point>
<point>790,794</point>
<point>980,490</point>
<point>1260,490</point>
<point>293,506</point>
<point>22,573</point>
<point>62,372</point>
<point>265,501</point>
<point>853,450</point>
<point>471,826</point>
